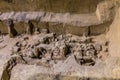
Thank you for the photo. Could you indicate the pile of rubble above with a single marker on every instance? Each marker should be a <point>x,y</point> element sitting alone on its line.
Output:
<point>49,47</point>
<point>43,46</point>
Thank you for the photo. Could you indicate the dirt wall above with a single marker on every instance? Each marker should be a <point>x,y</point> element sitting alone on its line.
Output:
<point>114,36</point>
<point>72,6</point>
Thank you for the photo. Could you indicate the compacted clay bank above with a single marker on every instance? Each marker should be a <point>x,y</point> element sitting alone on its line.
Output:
<point>61,46</point>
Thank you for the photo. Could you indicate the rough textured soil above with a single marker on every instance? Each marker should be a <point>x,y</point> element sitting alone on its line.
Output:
<point>102,69</point>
